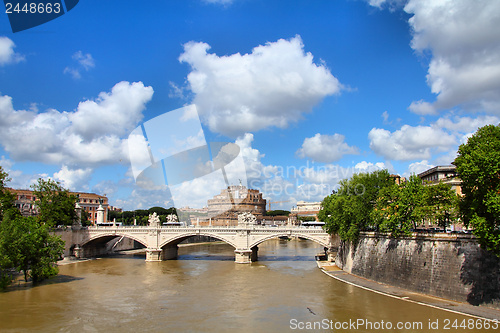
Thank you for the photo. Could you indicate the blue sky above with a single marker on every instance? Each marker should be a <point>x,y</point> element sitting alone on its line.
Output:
<point>311,91</point>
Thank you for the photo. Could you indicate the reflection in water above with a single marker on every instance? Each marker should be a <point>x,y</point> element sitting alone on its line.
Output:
<point>203,291</point>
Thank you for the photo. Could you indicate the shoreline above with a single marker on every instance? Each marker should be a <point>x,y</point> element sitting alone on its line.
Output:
<point>478,312</point>
<point>71,260</point>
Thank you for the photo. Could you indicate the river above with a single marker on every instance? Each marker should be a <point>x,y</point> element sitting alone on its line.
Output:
<point>205,291</point>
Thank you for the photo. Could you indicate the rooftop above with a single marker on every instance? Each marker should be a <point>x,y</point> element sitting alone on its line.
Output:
<point>439,168</point>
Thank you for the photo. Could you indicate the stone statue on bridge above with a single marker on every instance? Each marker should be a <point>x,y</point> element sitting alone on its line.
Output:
<point>246,220</point>
<point>172,218</point>
<point>154,220</point>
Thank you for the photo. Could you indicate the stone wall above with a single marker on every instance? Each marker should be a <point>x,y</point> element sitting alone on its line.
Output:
<point>66,235</point>
<point>451,266</point>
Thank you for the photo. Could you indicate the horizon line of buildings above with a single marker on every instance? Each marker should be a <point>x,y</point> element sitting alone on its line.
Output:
<point>223,209</point>
<point>25,201</point>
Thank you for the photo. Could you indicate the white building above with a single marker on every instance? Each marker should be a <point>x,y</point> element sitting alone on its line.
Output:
<point>442,174</point>
<point>309,209</point>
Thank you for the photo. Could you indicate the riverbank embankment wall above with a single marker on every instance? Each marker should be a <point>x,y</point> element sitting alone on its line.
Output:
<point>452,266</point>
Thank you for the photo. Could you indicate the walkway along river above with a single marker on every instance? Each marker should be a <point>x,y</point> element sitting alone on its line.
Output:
<point>205,291</point>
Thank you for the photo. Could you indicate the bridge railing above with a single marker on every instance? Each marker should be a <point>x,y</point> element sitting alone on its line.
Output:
<point>311,229</point>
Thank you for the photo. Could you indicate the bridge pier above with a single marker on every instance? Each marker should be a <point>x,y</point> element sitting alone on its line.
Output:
<point>153,254</point>
<point>166,253</point>
<point>78,252</point>
<point>243,256</point>
<point>246,256</point>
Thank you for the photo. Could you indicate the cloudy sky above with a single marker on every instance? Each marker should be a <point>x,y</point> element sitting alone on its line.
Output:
<point>311,91</point>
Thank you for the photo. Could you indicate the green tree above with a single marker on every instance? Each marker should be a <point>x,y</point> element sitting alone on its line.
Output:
<point>348,211</point>
<point>6,274</point>
<point>6,196</point>
<point>85,218</point>
<point>307,218</point>
<point>6,208</point>
<point>142,215</point>
<point>441,204</point>
<point>478,165</point>
<point>27,245</point>
<point>25,242</point>
<point>387,213</point>
<point>400,208</point>
<point>55,204</point>
<point>114,215</point>
<point>277,212</point>
<point>159,211</point>
<point>337,213</point>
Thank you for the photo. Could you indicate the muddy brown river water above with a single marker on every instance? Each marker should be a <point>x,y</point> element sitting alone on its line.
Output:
<point>205,291</point>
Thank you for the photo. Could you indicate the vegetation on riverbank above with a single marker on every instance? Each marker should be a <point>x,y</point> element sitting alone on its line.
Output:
<point>141,216</point>
<point>26,244</point>
<point>478,164</point>
<point>374,202</point>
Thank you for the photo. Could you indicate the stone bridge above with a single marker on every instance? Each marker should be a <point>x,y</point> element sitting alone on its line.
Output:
<point>161,242</point>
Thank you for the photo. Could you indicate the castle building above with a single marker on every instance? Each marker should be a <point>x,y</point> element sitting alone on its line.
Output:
<point>223,209</point>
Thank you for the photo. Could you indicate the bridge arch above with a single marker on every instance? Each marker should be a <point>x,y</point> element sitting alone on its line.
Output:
<point>310,237</point>
<point>179,238</point>
<point>111,235</point>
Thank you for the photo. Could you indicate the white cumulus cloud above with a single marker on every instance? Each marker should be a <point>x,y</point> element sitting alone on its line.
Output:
<point>74,179</point>
<point>115,113</point>
<point>466,124</point>
<point>91,135</point>
<point>7,54</point>
<point>325,148</point>
<point>272,86</point>
<point>366,167</point>
<point>464,39</point>
<point>422,107</point>
<point>418,167</point>
<point>410,142</point>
